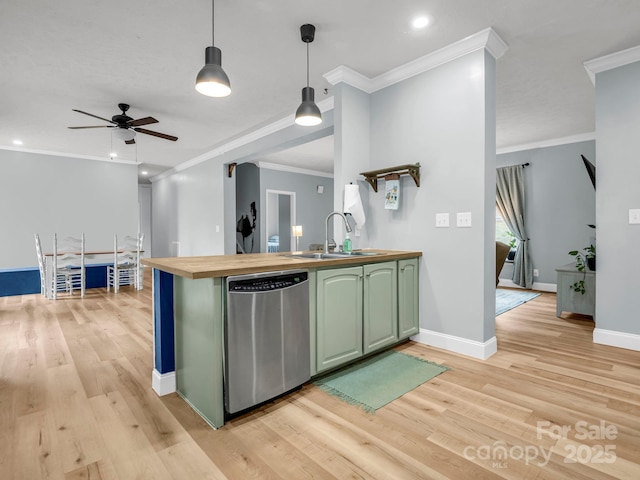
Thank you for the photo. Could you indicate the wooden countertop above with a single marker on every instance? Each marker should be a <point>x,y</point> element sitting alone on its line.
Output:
<point>226,265</point>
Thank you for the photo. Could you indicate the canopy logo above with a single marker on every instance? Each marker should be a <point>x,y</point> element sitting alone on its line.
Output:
<point>567,438</point>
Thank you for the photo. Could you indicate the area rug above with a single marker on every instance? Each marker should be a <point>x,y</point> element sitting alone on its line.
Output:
<point>508,299</point>
<point>376,381</point>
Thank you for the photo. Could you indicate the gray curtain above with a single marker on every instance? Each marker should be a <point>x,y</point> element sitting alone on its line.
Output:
<point>510,203</point>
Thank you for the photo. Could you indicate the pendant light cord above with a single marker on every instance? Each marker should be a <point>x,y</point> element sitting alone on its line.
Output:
<point>307,64</point>
<point>213,16</point>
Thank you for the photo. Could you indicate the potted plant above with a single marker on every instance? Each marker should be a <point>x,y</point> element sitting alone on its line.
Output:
<point>585,258</point>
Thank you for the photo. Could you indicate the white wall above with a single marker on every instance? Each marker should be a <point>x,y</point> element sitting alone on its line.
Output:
<point>48,194</point>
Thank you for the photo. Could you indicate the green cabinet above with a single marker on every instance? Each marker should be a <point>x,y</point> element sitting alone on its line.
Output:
<point>338,316</point>
<point>356,312</point>
<point>199,315</point>
<point>380,321</point>
<point>408,300</point>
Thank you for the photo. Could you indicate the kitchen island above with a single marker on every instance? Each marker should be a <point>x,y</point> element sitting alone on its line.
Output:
<point>358,304</point>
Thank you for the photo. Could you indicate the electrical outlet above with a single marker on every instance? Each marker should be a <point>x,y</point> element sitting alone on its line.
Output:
<point>536,272</point>
<point>463,219</point>
<point>442,220</point>
<point>634,216</point>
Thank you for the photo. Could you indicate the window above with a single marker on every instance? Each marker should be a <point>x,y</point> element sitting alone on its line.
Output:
<point>504,235</point>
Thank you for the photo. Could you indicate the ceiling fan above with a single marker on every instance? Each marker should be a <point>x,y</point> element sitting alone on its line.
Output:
<point>126,126</point>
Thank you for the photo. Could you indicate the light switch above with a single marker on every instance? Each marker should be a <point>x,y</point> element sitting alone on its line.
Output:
<point>217,228</point>
<point>634,216</point>
<point>463,219</point>
<point>442,220</point>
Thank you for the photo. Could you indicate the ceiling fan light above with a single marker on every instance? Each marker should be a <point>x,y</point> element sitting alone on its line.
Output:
<point>124,134</point>
<point>308,114</point>
<point>212,81</point>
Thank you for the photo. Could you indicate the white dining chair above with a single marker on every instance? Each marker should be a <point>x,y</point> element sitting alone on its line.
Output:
<point>42,265</point>
<point>126,268</point>
<point>68,265</point>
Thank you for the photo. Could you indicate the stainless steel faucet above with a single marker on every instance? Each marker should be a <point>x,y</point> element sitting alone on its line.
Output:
<point>326,229</point>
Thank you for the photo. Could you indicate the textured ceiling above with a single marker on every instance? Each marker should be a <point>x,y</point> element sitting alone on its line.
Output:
<point>91,55</point>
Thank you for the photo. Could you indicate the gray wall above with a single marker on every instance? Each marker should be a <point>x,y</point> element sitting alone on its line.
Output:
<point>352,155</point>
<point>48,194</point>
<point>187,211</point>
<point>196,205</point>
<point>444,119</point>
<point>560,203</point>
<point>311,207</point>
<point>144,196</point>
<point>618,190</point>
<point>248,193</point>
<point>284,222</point>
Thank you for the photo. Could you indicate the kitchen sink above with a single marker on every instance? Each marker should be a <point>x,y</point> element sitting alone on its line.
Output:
<point>313,255</point>
<point>325,256</point>
<point>356,253</point>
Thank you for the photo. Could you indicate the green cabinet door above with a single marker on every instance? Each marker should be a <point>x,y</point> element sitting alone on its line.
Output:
<point>338,316</point>
<point>380,305</point>
<point>408,304</point>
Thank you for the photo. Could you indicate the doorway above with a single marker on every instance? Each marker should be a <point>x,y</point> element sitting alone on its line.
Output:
<point>280,211</point>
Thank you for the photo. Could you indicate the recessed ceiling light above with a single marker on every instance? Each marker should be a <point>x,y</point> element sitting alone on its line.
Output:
<point>17,142</point>
<point>420,22</point>
<point>144,172</point>
<point>113,154</point>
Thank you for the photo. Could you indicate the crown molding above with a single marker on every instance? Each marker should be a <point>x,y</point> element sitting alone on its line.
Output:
<point>486,39</point>
<point>288,121</point>
<point>582,137</point>
<point>69,155</point>
<point>290,169</point>
<point>349,76</point>
<point>611,61</point>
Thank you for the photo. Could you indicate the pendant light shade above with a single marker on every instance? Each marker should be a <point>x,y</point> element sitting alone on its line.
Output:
<point>308,113</point>
<point>212,80</point>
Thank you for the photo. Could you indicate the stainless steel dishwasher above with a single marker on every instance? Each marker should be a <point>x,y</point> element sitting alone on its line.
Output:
<point>266,337</point>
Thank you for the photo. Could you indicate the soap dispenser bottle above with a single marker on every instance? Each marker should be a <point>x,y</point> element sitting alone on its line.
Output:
<point>346,244</point>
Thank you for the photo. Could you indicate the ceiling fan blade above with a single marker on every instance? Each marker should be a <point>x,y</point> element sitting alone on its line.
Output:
<point>130,142</point>
<point>94,126</point>
<point>142,121</point>
<point>156,134</point>
<point>94,116</point>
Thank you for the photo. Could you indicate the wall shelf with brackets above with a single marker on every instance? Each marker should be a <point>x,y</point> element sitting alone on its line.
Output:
<point>373,176</point>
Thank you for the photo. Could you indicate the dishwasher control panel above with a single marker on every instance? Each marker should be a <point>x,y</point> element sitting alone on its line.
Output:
<point>253,285</point>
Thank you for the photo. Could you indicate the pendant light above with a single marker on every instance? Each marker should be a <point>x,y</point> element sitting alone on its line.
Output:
<point>212,81</point>
<point>308,113</point>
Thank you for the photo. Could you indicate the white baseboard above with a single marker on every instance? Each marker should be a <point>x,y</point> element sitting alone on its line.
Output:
<point>629,341</point>
<point>471,348</point>
<point>163,383</point>
<point>541,287</point>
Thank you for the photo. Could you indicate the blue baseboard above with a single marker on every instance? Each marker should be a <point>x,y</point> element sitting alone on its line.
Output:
<point>26,281</point>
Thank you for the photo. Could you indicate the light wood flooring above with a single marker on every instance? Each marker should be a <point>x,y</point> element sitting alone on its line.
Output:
<point>76,403</point>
